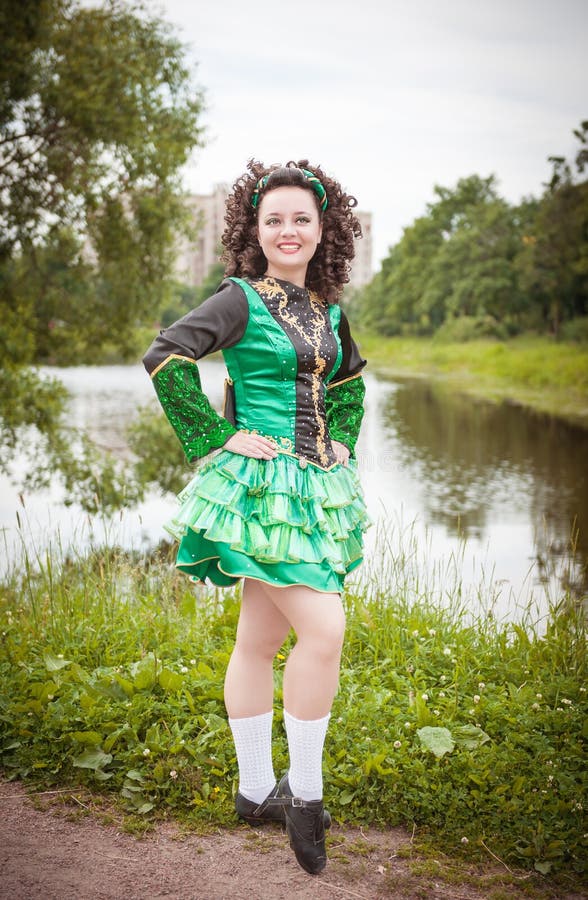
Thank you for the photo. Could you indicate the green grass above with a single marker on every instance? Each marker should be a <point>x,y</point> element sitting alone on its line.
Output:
<point>468,730</point>
<point>546,375</point>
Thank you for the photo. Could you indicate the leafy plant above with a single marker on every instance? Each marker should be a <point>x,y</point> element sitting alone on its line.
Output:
<point>469,730</point>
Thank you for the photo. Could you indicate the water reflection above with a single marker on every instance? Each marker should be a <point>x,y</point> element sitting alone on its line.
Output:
<point>439,466</point>
<point>486,464</point>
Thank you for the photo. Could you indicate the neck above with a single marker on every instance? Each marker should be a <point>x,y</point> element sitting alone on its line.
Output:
<point>295,276</point>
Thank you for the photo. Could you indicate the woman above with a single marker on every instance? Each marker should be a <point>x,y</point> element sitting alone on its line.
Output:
<point>279,504</point>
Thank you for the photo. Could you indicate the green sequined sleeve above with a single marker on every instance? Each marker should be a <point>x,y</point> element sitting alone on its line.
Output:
<point>199,428</point>
<point>344,410</point>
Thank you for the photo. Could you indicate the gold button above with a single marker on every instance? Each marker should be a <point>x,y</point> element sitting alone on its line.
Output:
<point>302,463</point>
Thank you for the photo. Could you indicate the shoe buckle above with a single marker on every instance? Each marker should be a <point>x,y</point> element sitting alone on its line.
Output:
<point>298,802</point>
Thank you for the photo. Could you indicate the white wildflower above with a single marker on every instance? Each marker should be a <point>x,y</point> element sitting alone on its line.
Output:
<point>432,632</point>
<point>477,698</point>
<point>173,774</point>
<point>146,751</point>
<point>535,706</point>
<point>397,744</point>
<point>424,697</point>
<point>183,669</point>
<point>539,696</point>
<point>481,686</point>
<point>465,840</point>
<point>436,712</point>
<point>415,633</point>
<point>192,662</point>
<point>441,693</point>
<point>447,651</point>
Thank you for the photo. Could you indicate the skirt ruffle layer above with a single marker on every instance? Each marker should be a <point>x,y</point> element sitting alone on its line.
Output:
<point>274,520</point>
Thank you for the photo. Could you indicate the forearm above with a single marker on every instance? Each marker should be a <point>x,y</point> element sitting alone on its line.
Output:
<point>199,428</point>
<point>344,410</point>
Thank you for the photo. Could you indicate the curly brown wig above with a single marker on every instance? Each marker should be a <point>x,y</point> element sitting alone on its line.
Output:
<point>328,270</point>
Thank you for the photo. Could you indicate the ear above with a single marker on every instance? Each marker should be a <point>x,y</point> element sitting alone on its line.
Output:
<point>320,234</point>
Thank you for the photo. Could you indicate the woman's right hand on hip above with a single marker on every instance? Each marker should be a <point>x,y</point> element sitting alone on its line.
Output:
<point>254,445</point>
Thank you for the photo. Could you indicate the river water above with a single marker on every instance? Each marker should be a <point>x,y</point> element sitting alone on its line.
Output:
<point>491,495</point>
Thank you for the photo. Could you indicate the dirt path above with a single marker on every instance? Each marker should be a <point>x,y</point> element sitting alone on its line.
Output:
<point>57,854</point>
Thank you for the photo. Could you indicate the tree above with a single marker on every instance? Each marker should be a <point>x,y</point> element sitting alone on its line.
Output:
<point>453,261</point>
<point>98,113</point>
<point>553,264</point>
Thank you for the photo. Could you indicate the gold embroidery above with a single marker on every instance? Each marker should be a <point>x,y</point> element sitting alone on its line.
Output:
<point>314,338</point>
<point>335,384</point>
<point>167,359</point>
<point>320,366</point>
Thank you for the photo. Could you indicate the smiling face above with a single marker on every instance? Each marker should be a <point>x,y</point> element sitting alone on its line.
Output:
<point>289,230</point>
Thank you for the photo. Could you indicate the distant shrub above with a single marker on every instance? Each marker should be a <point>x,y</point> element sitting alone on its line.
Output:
<point>469,328</point>
<point>575,330</point>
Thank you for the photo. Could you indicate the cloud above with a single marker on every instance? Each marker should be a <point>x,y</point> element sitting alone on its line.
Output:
<point>390,98</point>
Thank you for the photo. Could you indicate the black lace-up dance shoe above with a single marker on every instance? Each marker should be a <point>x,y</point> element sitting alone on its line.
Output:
<point>305,825</point>
<point>257,814</point>
<point>269,810</point>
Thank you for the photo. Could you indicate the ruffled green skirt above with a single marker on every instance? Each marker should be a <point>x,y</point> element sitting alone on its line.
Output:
<point>278,521</point>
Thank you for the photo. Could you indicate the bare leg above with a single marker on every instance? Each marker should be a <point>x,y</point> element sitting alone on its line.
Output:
<point>262,629</point>
<point>311,676</point>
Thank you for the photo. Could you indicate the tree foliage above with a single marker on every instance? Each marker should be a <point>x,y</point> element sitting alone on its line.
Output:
<point>184,297</point>
<point>98,113</point>
<point>474,264</point>
<point>553,264</point>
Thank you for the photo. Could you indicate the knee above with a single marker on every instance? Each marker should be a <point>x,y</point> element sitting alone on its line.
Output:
<point>326,637</point>
<point>259,646</point>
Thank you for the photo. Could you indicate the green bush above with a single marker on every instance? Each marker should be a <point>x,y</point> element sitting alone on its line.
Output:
<point>575,330</point>
<point>470,328</point>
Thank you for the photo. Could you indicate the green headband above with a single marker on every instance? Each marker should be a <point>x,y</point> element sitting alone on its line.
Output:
<point>314,182</point>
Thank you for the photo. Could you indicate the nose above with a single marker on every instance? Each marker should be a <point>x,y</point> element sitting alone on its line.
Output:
<point>287,227</point>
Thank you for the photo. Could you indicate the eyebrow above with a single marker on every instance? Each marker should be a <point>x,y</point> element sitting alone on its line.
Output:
<point>298,212</point>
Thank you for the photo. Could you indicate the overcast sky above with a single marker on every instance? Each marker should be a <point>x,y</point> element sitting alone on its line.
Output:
<point>389,96</point>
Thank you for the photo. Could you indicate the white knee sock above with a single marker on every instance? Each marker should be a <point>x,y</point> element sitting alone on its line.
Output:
<point>253,743</point>
<point>305,743</point>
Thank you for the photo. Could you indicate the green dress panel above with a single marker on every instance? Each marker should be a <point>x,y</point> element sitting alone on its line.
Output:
<point>298,518</point>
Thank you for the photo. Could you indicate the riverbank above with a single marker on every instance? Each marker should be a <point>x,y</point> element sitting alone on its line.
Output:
<point>547,376</point>
<point>63,845</point>
<point>459,728</point>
